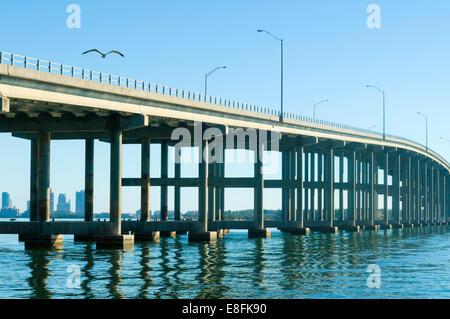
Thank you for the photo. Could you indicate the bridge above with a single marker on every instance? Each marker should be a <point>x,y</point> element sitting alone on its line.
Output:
<point>330,172</point>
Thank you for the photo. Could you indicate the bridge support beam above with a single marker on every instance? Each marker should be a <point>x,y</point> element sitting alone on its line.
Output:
<point>397,223</point>
<point>116,239</point>
<point>34,180</point>
<point>44,176</point>
<point>164,175</point>
<point>88,188</point>
<point>386,223</point>
<point>202,234</point>
<point>258,229</point>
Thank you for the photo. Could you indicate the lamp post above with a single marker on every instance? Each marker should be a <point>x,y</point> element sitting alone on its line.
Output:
<point>426,127</point>
<point>208,74</point>
<point>315,106</point>
<point>384,108</point>
<point>282,68</point>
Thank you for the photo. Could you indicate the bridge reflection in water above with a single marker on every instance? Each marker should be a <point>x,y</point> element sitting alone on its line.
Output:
<point>412,260</point>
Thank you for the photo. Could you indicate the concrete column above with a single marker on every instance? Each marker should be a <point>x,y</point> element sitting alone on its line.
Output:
<point>259,187</point>
<point>364,191</point>
<point>164,175</point>
<point>145,180</point>
<point>418,192</point>
<point>352,188</point>
<point>313,188</point>
<point>116,182</point>
<point>396,191</point>
<point>177,193</point>
<point>203,188</point>
<point>329,186</point>
<point>320,190</point>
<point>34,180</point>
<point>409,190</point>
<point>299,212</point>
<point>292,192</point>
<point>89,181</point>
<point>371,192</point>
<point>432,210</point>
<point>44,176</point>
<point>438,196</point>
<point>211,192</point>
<point>341,191</point>
<point>306,210</point>
<point>386,189</point>
<point>425,191</point>
<point>358,186</point>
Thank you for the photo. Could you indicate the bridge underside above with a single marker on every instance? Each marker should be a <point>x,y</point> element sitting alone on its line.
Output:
<point>328,181</point>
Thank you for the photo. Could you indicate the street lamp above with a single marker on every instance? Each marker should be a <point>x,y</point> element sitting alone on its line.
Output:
<point>384,108</point>
<point>426,127</point>
<point>315,106</point>
<point>208,74</point>
<point>282,67</point>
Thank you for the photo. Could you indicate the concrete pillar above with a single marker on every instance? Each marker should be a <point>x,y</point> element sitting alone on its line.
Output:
<point>306,210</point>
<point>259,229</point>
<point>89,181</point>
<point>358,186</point>
<point>313,188</point>
<point>115,239</point>
<point>371,180</point>
<point>44,176</point>
<point>418,193</point>
<point>203,188</point>
<point>164,175</point>
<point>432,204</point>
<point>438,196</point>
<point>320,190</point>
<point>145,180</point>
<point>211,191</point>
<point>409,190</point>
<point>177,194</point>
<point>425,191</point>
<point>299,212</point>
<point>386,189</point>
<point>292,192</point>
<point>396,192</point>
<point>116,182</point>
<point>34,180</point>
<point>329,186</point>
<point>341,190</point>
<point>352,188</point>
<point>202,234</point>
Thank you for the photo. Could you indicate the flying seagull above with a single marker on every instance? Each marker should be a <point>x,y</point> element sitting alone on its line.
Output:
<point>104,54</point>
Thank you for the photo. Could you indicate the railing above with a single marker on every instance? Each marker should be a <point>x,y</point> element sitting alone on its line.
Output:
<point>117,80</point>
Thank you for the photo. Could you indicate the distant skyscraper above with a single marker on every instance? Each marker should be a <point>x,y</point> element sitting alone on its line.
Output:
<point>52,202</point>
<point>6,200</point>
<point>80,196</point>
<point>63,204</point>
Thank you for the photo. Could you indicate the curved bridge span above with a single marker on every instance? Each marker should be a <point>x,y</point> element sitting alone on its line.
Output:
<point>333,176</point>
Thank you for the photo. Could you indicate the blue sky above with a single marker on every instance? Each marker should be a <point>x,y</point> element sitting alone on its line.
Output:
<point>329,53</point>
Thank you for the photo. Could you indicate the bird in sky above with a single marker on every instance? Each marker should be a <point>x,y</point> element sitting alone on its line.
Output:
<point>104,54</point>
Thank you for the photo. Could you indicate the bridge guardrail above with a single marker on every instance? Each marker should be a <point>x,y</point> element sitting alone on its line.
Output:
<point>87,74</point>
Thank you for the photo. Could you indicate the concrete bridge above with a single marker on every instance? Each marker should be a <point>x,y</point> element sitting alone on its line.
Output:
<point>325,166</point>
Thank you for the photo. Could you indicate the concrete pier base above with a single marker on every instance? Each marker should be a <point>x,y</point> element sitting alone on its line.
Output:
<point>408,225</point>
<point>83,238</point>
<point>350,228</point>
<point>372,227</point>
<point>43,241</point>
<point>153,236</point>
<point>21,237</point>
<point>297,231</point>
<point>114,241</point>
<point>259,233</point>
<point>418,225</point>
<point>202,236</point>
<point>166,234</point>
<point>386,227</point>
<point>397,226</point>
<point>325,229</point>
